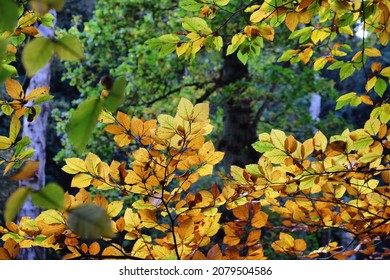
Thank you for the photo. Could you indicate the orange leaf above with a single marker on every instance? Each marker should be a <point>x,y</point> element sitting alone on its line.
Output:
<point>214,253</point>
<point>253,237</point>
<point>14,89</point>
<point>241,212</point>
<point>299,245</point>
<point>292,20</point>
<point>376,67</point>
<point>28,170</point>
<point>259,220</point>
<point>94,248</point>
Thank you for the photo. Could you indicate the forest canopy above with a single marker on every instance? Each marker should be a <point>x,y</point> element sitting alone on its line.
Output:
<point>195,129</point>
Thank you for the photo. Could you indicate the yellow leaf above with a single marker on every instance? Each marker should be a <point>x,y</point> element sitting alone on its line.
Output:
<point>114,208</point>
<point>14,128</point>
<point>371,83</point>
<point>287,239</point>
<point>386,72</point>
<point>132,220</point>
<point>74,166</point>
<point>81,180</point>
<point>14,89</point>
<point>372,52</point>
<point>320,63</point>
<point>5,142</point>
<point>259,220</point>
<point>91,162</point>
<point>168,126</point>
<point>372,126</point>
<point>200,112</point>
<point>184,109</point>
<point>276,156</point>
<point>258,16</point>
<point>28,170</point>
<point>319,35</point>
<point>38,92</point>
<point>278,138</point>
<point>320,141</point>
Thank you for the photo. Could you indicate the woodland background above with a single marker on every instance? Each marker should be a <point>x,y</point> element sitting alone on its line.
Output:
<point>267,93</point>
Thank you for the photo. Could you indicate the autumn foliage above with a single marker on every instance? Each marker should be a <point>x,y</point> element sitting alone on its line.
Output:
<point>158,204</point>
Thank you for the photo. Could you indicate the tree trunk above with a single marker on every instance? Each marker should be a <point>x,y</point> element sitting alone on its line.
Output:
<point>36,131</point>
<point>239,131</point>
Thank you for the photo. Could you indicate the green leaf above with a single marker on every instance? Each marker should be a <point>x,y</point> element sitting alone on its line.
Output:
<point>69,48</point>
<point>37,54</point>
<point>263,147</point>
<point>345,99</point>
<point>190,5</point>
<point>50,197</point>
<point>116,94</point>
<point>237,40</point>
<point>380,86</point>
<point>222,2</point>
<point>243,57</point>
<point>15,202</point>
<point>336,65</point>
<point>9,14</point>
<point>42,99</point>
<point>346,70</point>
<point>169,38</point>
<point>47,20</point>
<point>82,122</point>
<point>90,222</point>
<point>196,24</point>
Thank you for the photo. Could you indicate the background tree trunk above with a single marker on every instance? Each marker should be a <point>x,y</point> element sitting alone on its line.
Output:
<point>36,131</point>
<point>239,131</point>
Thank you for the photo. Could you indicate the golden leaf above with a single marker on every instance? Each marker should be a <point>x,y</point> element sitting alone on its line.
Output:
<point>114,208</point>
<point>94,248</point>
<point>292,20</point>
<point>74,166</point>
<point>253,237</point>
<point>14,89</point>
<point>28,170</point>
<point>38,92</point>
<point>81,180</point>
<point>259,219</point>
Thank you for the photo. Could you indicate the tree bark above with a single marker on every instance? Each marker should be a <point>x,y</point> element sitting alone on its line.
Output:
<point>36,131</point>
<point>239,131</point>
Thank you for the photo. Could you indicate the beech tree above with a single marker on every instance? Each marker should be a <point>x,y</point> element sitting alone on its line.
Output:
<point>160,210</point>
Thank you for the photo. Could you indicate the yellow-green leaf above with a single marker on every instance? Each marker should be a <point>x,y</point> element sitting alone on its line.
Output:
<point>37,54</point>
<point>15,202</point>
<point>69,48</point>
